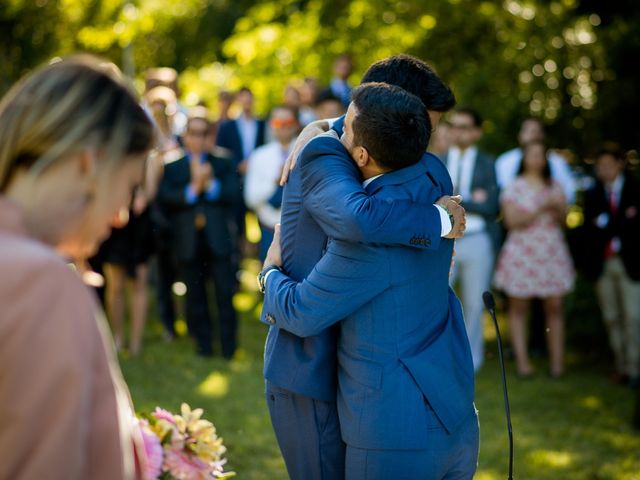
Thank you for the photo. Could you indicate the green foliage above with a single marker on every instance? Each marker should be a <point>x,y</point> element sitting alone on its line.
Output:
<point>567,61</point>
<point>134,34</point>
<point>507,60</point>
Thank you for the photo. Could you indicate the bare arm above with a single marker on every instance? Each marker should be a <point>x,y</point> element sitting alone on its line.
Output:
<point>309,132</point>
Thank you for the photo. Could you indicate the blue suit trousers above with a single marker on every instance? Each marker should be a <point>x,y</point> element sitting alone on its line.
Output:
<point>308,433</point>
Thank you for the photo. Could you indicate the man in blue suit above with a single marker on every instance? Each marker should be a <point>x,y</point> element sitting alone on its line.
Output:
<point>300,372</point>
<point>237,139</point>
<point>405,396</point>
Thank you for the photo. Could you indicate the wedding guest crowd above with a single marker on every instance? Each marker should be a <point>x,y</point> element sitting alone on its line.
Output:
<point>216,169</point>
<point>206,173</point>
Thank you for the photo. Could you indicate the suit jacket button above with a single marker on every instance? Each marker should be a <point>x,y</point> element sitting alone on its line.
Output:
<point>270,319</point>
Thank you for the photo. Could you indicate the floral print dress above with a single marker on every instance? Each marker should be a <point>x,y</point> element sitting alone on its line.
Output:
<point>535,260</point>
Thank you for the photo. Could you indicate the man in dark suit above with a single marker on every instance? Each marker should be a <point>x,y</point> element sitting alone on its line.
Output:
<point>612,230</point>
<point>300,373</point>
<point>339,86</point>
<point>196,192</point>
<point>474,178</point>
<point>239,138</point>
<point>405,373</point>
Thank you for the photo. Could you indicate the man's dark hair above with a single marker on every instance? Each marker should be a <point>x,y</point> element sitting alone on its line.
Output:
<point>391,123</point>
<point>546,173</point>
<point>245,89</point>
<point>326,96</point>
<point>416,77</point>
<point>197,113</point>
<point>613,149</point>
<point>475,116</point>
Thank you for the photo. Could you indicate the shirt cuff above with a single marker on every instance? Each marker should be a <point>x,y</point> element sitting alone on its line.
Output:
<point>267,275</point>
<point>214,190</point>
<point>331,121</point>
<point>190,195</point>
<point>445,222</point>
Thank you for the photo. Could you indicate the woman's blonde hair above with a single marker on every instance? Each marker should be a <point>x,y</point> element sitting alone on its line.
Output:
<point>73,104</point>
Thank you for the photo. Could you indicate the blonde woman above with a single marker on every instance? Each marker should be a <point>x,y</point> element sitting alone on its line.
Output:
<point>73,145</point>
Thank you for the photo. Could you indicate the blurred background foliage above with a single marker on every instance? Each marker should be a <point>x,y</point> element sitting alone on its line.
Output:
<point>572,62</point>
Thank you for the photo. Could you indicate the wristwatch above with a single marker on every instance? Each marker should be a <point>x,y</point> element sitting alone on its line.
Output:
<point>451,218</point>
<point>262,276</point>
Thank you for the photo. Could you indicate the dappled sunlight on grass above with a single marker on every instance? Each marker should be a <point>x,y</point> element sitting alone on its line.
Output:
<point>275,462</point>
<point>240,361</point>
<point>623,438</point>
<point>216,385</point>
<point>488,475</point>
<point>550,459</point>
<point>591,402</point>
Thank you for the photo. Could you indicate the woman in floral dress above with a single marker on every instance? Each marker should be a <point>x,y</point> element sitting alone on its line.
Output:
<point>535,260</point>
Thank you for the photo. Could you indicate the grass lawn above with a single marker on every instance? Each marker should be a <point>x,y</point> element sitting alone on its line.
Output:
<point>575,428</point>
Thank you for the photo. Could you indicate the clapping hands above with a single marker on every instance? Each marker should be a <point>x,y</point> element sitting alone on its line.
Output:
<point>201,175</point>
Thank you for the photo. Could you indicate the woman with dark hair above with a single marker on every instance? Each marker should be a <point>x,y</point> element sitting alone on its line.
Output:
<point>73,145</point>
<point>535,261</point>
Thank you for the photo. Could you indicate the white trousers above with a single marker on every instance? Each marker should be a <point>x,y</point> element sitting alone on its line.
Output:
<point>473,268</point>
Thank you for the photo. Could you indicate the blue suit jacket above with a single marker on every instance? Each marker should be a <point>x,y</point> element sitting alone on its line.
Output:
<point>324,197</point>
<point>229,139</point>
<point>402,337</point>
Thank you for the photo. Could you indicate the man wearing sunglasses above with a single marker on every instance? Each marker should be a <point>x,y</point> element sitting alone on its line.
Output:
<point>262,191</point>
<point>197,192</point>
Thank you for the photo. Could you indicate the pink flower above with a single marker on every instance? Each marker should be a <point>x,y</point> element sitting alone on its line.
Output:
<point>185,467</point>
<point>153,452</point>
<point>162,414</point>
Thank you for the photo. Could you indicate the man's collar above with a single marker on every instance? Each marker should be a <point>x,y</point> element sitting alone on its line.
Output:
<point>398,177</point>
<point>371,179</point>
<point>467,152</point>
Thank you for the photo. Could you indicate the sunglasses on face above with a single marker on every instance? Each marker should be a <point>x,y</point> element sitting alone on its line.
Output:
<point>197,133</point>
<point>282,122</point>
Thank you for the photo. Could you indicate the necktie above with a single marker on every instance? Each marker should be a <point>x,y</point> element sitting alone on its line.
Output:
<point>613,203</point>
<point>456,185</point>
<point>613,208</point>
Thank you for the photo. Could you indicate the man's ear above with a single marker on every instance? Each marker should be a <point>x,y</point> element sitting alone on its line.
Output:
<point>361,156</point>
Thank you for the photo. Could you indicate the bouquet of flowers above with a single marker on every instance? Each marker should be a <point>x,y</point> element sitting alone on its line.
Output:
<point>182,447</point>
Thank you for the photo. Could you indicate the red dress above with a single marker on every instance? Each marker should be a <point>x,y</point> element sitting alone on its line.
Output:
<point>535,260</point>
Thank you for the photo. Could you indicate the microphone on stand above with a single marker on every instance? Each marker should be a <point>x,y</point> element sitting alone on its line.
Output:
<point>490,305</point>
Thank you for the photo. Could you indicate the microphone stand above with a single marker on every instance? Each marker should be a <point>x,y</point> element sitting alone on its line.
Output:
<point>490,305</point>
